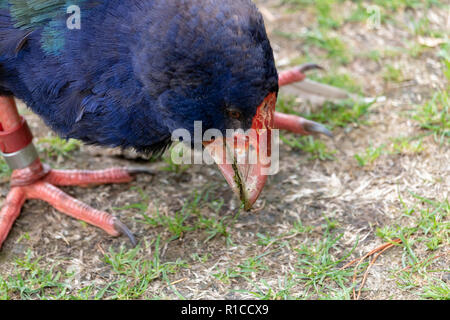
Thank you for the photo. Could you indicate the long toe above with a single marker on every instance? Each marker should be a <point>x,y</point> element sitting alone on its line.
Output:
<point>123,229</point>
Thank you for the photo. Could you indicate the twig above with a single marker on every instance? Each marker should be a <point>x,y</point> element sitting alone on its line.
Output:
<point>379,251</point>
<point>363,282</point>
<point>178,281</point>
<point>100,248</point>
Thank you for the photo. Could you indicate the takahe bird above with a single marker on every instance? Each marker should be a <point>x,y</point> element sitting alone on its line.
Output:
<point>128,73</point>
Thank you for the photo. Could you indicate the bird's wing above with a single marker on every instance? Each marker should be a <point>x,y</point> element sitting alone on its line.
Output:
<point>20,18</point>
<point>31,14</point>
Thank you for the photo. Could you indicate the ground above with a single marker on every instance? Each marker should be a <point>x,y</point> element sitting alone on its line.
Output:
<point>384,177</point>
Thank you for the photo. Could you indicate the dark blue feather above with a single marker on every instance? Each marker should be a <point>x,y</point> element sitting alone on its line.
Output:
<point>137,70</point>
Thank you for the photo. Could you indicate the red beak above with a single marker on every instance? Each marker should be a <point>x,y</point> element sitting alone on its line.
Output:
<point>245,158</point>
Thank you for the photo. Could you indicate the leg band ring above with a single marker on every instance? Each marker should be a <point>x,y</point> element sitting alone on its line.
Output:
<point>22,158</point>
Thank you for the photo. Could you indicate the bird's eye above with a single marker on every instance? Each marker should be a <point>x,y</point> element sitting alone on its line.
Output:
<point>234,114</point>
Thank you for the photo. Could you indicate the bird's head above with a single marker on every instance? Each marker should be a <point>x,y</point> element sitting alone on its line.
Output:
<point>214,65</point>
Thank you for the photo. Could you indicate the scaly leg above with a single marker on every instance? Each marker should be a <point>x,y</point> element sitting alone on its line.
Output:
<point>44,189</point>
<point>88,177</point>
<point>296,74</point>
<point>10,211</point>
<point>291,122</point>
<point>77,209</point>
<point>37,181</point>
<point>299,125</point>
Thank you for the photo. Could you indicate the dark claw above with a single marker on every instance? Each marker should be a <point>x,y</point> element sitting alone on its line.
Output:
<point>123,229</point>
<point>314,127</point>
<point>310,66</point>
<point>140,170</point>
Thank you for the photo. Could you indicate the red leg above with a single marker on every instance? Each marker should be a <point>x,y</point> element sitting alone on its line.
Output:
<point>86,178</point>
<point>72,207</point>
<point>92,177</point>
<point>36,181</point>
<point>42,188</point>
<point>299,125</point>
<point>10,211</point>
<point>62,202</point>
<point>291,122</point>
<point>295,74</point>
<point>9,116</point>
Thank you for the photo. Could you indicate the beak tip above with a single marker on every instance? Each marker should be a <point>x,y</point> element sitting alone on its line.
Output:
<point>253,189</point>
<point>248,203</point>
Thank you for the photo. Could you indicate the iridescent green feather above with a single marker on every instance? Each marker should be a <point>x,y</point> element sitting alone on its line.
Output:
<point>45,14</point>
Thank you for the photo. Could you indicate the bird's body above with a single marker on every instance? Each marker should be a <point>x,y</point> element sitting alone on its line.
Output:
<point>128,73</point>
<point>136,70</point>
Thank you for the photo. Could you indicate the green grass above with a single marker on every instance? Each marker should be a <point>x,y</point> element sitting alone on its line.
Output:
<point>340,80</point>
<point>287,104</point>
<point>416,50</point>
<point>314,147</point>
<point>318,269</point>
<point>436,289</point>
<point>136,272</point>
<point>32,281</point>
<point>331,114</point>
<point>247,269</point>
<point>132,274</point>
<point>393,74</point>
<point>444,53</point>
<point>315,274</point>
<point>199,213</point>
<point>170,165</point>
<point>422,27</point>
<point>369,156</point>
<point>425,232</point>
<point>447,68</point>
<point>201,258</point>
<point>334,47</point>
<point>395,5</point>
<point>330,15</point>
<point>340,114</point>
<point>5,171</point>
<point>359,14</point>
<point>268,240</point>
<point>282,291</point>
<point>57,148</point>
<point>324,10</point>
<point>374,55</point>
<point>176,223</point>
<point>382,55</point>
<point>407,145</point>
<point>434,116</point>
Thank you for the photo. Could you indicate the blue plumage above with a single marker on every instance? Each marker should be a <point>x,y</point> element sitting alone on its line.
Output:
<point>137,70</point>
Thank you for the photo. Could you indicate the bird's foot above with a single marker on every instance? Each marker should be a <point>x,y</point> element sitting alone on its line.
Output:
<point>296,74</point>
<point>38,181</point>
<point>299,125</point>
<point>291,122</point>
